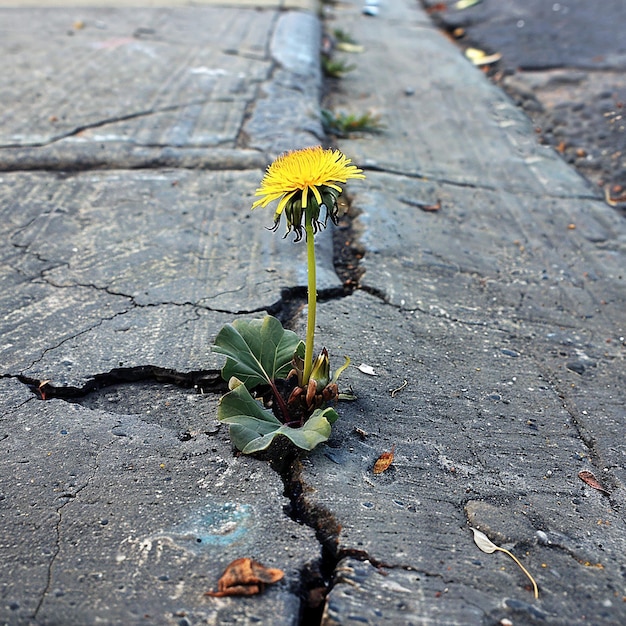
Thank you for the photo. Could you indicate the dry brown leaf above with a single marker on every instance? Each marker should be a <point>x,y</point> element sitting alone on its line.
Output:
<point>245,577</point>
<point>429,208</point>
<point>384,461</point>
<point>592,481</point>
<point>438,7</point>
<point>42,391</point>
<point>611,199</point>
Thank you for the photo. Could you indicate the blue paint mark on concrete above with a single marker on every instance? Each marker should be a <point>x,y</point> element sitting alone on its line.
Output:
<point>217,524</point>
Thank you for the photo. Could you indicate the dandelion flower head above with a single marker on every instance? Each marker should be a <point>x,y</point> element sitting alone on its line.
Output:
<point>301,172</point>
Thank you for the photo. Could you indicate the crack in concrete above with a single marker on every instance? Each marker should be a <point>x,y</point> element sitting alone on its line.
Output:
<point>69,497</point>
<point>430,178</point>
<point>327,531</point>
<point>205,381</point>
<point>105,122</point>
<point>78,334</point>
<point>139,305</point>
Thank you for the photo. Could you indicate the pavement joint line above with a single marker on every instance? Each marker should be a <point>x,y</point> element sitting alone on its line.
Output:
<point>112,120</point>
<point>467,185</point>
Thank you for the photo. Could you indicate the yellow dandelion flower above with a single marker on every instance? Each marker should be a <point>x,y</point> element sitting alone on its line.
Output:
<point>296,176</point>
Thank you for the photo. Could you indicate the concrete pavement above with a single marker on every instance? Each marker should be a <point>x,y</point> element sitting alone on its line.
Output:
<point>563,63</point>
<point>132,142</point>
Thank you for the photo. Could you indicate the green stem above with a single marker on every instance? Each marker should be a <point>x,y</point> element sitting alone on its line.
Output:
<point>312,302</point>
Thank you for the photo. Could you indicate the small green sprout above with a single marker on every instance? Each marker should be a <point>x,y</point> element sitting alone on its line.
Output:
<point>336,68</point>
<point>344,124</point>
<point>341,36</point>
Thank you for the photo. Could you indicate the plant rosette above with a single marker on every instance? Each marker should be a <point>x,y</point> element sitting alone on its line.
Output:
<point>276,385</point>
<point>266,399</point>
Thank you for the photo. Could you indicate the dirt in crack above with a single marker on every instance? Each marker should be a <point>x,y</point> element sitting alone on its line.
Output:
<point>347,249</point>
<point>201,381</point>
<point>316,579</point>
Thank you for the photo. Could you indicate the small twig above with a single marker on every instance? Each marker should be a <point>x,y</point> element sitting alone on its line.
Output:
<point>400,388</point>
<point>532,580</point>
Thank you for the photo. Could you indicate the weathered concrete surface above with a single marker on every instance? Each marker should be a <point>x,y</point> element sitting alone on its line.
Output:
<point>131,513</point>
<point>496,327</point>
<point>563,64</point>
<point>119,269</point>
<point>142,83</point>
<point>128,508</point>
<point>503,311</point>
<point>482,438</point>
<point>442,121</point>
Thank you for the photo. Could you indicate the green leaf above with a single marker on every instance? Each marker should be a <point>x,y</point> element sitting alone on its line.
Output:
<point>258,351</point>
<point>238,406</point>
<point>253,428</point>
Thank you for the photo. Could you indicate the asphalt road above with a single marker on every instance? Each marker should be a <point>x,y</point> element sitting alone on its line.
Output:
<point>564,63</point>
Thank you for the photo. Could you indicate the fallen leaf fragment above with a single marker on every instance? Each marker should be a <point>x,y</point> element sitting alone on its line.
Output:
<point>353,48</point>
<point>486,545</point>
<point>384,461</point>
<point>429,208</point>
<point>400,388</point>
<point>610,198</point>
<point>465,4</point>
<point>438,7</point>
<point>367,369</point>
<point>245,577</point>
<point>42,391</point>
<point>592,481</point>
<point>483,542</point>
<point>480,57</point>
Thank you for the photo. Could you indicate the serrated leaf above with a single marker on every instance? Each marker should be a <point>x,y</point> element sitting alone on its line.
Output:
<point>483,542</point>
<point>258,351</point>
<point>253,428</point>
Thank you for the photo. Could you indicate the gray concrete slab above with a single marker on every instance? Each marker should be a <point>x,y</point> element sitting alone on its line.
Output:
<point>495,327</point>
<point>442,121</point>
<point>141,83</point>
<point>483,437</point>
<point>119,269</point>
<point>545,257</point>
<point>115,517</point>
